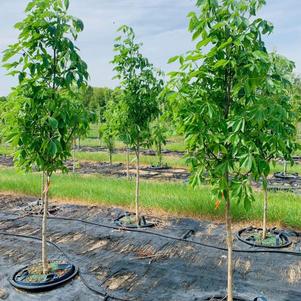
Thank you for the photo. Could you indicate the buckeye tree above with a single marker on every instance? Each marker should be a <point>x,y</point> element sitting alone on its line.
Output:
<point>138,106</point>
<point>215,95</point>
<point>49,67</point>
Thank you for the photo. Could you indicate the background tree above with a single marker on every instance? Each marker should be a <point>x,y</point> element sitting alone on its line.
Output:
<point>273,121</point>
<point>45,119</point>
<point>159,130</point>
<point>107,134</point>
<point>217,93</point>
<point>139,105</point>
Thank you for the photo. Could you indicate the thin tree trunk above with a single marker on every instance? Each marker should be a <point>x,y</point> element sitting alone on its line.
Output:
<point>44,228</point>
<point>73,156</point>
<point>127,163</point>
<point>137,183</point>
<point>230,248</point>
<point>42,187</point>
<point>160,154</point>
<point>285,168</point>
<point>265,211</point>
<point>111,161</point>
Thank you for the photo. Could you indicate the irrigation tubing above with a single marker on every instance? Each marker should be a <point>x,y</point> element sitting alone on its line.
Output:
<point>104,296</point>
<point>269,251</point>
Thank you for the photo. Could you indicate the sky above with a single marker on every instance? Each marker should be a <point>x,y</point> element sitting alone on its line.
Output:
<point>160,24</point>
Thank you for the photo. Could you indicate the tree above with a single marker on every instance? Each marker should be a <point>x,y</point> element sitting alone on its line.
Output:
<point>45,119</point>
<point>159,132</point>
<point>139,105</point>
<point>274,120</point>
<point>107,135</point>
<point>216,94</point>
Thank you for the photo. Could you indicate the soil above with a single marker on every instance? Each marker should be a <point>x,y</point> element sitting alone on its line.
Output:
<point>153,173</point>
<point>136,266</point>
<point>146,152</point>
<point>118,170</point>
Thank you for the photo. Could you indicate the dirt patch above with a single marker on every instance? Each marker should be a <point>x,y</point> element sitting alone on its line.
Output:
<point>146,152</point>
<point>117,170</point>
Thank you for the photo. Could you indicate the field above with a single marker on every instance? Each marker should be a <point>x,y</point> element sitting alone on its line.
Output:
<point>178,180</point>
<point>157,196</point>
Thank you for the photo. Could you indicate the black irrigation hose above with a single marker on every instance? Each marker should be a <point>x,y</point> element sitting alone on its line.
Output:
<point>269,251</point>
<point>173,237</point>
<point>104,296</point>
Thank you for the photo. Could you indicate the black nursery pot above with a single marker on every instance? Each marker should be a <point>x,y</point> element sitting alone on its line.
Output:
<point>247,236</point>
<point>22,279</point>
<point>121,221</point>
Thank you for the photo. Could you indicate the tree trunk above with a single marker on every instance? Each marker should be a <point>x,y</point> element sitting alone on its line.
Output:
<point>44,228</point>
<point>230,247</point>
<point>127,163</point>
<point>160,154</point>
<point>137,183</point>
<point>265,210</point>
<point>42,187</point>
<point>285,167</point>
<point>73,156</point>
<point>110,154</point>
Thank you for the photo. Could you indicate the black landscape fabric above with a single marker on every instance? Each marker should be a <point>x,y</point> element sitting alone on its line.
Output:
<point>135,266</point>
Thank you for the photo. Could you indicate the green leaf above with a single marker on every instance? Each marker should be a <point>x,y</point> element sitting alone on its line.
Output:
<point>67,3</point>
<point>53,122</point>
<point>246,162</point>
<point>220,63</point>
<point>204,42</point>
<point>52,148</point>
<point>173,59</point>
<point>79,25</point>
<point>21,76</point>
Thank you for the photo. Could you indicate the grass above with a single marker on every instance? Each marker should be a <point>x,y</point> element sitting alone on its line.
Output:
<point>5,150</point>
<point>171,198</point>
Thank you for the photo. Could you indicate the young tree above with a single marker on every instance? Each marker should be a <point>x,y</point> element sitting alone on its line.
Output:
<point>274,121</point>
<point>216,95</point>
<point>45,119</point>
<point>139,105</point>
<point>158,136</point>
<point>107,135</point>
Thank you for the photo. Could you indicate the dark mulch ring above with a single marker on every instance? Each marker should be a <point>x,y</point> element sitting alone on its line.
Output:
<point>128,220</point>
<point>254,237</point>
<point>286,176</point>
<point>160,167</point>
<point>32,278</point>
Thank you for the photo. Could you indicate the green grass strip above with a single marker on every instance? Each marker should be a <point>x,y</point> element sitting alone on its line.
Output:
<point>172,198</point>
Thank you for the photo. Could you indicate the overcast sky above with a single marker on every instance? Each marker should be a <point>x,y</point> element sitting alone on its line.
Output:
<point>160,24</point>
